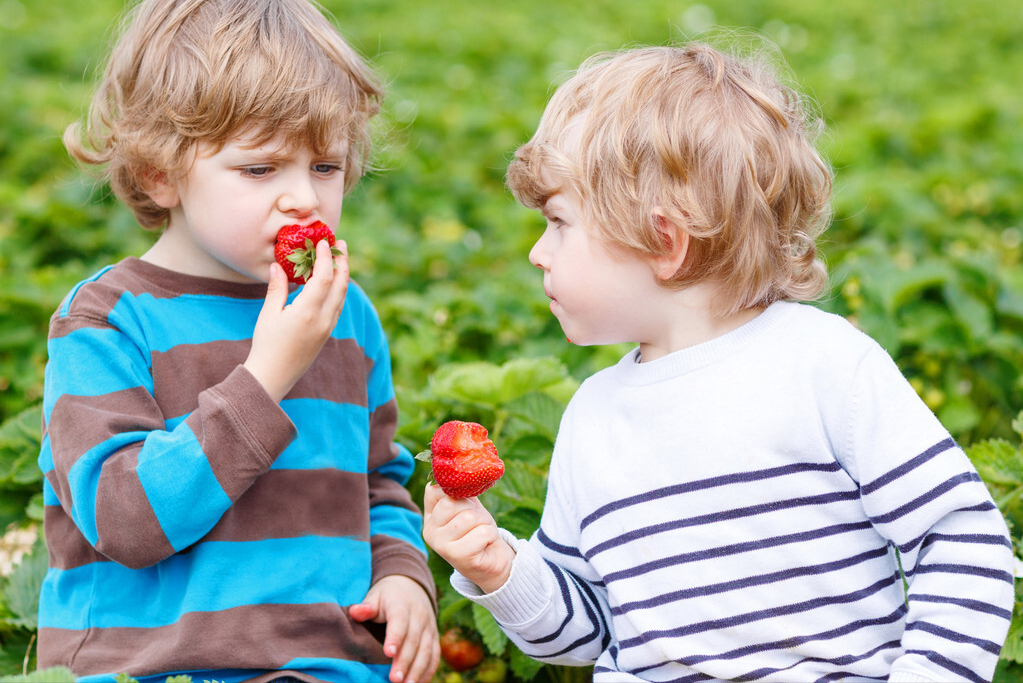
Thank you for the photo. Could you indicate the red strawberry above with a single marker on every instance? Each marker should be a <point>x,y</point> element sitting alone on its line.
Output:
<point>295,248</point>
<point>460,653</point>
<point>465,461</point>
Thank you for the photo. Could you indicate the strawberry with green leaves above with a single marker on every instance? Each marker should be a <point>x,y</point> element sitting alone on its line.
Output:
<point>295,248</point>
<point>464,459</point>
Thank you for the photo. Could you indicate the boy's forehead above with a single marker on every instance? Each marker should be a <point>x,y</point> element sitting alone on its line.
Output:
<point>562,201</point>
<point>271,143</point>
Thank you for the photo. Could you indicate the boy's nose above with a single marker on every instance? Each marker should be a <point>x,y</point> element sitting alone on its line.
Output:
<point>537,255</point>
<point>298,197</point>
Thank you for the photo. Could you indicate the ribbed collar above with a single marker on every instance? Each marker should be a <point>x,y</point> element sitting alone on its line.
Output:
<point>630,371</point>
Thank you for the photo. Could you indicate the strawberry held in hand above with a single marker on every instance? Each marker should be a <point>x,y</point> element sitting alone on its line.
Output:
<point>465,462</point>
<point>295,248</point>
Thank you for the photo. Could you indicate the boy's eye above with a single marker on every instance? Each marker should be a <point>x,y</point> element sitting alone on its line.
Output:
<point>256,171</point>
<point>327,169</point>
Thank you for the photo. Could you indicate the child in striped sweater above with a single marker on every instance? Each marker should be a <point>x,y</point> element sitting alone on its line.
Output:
<point>754,492</point>
<point>224,497</point>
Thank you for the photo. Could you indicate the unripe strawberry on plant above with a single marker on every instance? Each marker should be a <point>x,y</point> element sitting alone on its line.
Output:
<point>464,459</point>
<point>460,653</point>
<point>295,248</point>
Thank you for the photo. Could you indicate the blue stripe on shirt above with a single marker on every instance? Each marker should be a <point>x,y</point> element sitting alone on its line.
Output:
<point>400,523</point>
<point>212,576</point>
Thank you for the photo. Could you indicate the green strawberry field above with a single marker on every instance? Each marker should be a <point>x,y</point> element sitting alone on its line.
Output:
<point>925,131</point>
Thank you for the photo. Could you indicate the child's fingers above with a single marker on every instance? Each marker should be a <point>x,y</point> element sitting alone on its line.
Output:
<point>397,646</point>
<point>427,658</point>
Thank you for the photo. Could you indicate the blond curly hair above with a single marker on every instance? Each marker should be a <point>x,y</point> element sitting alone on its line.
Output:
<point>185,72</point>
<point>714,142</point>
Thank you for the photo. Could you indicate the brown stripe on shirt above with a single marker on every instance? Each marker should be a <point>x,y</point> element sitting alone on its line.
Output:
<point>79,423</point>
<point>382,424</point>
<point>251,637</point>
<point>274,507</point>
<point>243,421</point>
<point>181,372</point>
<point>338,374</point>
<point>68,547</point>
<point>128,529</point>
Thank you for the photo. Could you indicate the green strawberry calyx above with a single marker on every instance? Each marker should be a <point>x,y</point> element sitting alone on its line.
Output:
<point>304,258</point>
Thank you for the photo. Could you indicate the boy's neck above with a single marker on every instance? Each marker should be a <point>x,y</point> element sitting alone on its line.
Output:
<point>689,319</point>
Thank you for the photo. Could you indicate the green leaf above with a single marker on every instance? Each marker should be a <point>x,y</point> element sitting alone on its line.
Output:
<point>522,522</point>
<point>524,666</point>
<point>1017,424</point>
<point>998,462</point>
<point>972,312</point>
<point>532,448</point>
<point>493,637</point>
<point>475,383</point>
<point>492,386</point>
<point>1012,650</point>
<point>21,589</point>
<point>20,440</point>
<point>57,674</point>
<point>523,376</point>
<point>540,410</point>
<point>523,484</point>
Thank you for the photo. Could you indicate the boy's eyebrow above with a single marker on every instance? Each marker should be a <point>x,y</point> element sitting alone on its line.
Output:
<point>545,206</point>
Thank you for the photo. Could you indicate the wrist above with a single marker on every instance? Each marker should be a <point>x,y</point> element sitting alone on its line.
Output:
<point>274,389</point>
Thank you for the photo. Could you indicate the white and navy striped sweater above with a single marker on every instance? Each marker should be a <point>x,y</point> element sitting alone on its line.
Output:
<point>738,510</point>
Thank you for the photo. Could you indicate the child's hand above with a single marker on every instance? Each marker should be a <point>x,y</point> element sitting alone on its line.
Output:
<point>411,635</point>
<point>288,337</point>
<point>462,532</point>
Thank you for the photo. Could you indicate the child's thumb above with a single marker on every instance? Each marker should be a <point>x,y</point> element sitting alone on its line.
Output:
<point>363,611</point>
<point>277,287</point>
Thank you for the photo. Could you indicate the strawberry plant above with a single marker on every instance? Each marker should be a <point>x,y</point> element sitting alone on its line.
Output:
<point>1000,464</point>
<point>926,248</point>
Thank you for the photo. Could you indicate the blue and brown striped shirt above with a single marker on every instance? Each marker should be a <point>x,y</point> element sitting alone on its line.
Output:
<point>196,526</point>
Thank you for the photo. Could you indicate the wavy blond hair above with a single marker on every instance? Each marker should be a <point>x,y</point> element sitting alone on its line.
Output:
<point>716,142</point>
<point>190,71</point>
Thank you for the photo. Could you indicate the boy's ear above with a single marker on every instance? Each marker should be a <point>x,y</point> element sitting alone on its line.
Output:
<point>676,239</point>
<point>158,186</point>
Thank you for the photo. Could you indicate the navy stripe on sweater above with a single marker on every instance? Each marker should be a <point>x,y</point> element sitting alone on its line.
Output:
<point>713,482</point>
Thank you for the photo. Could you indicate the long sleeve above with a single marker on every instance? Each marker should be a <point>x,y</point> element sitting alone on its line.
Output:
<point>921,492</point>
<point>118,464</point>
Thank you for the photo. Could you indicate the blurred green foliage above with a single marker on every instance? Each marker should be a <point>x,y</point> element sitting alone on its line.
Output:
<point>925,131</point>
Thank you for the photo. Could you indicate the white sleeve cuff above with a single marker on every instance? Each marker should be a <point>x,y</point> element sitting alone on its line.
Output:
<point>526,594</point>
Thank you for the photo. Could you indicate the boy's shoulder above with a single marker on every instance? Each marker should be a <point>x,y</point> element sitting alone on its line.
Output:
<point>813,323</point>
<point>99,291</point>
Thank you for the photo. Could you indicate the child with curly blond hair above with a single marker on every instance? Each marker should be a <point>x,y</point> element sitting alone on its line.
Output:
<point>754,492</point>
<point>224,497</point>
